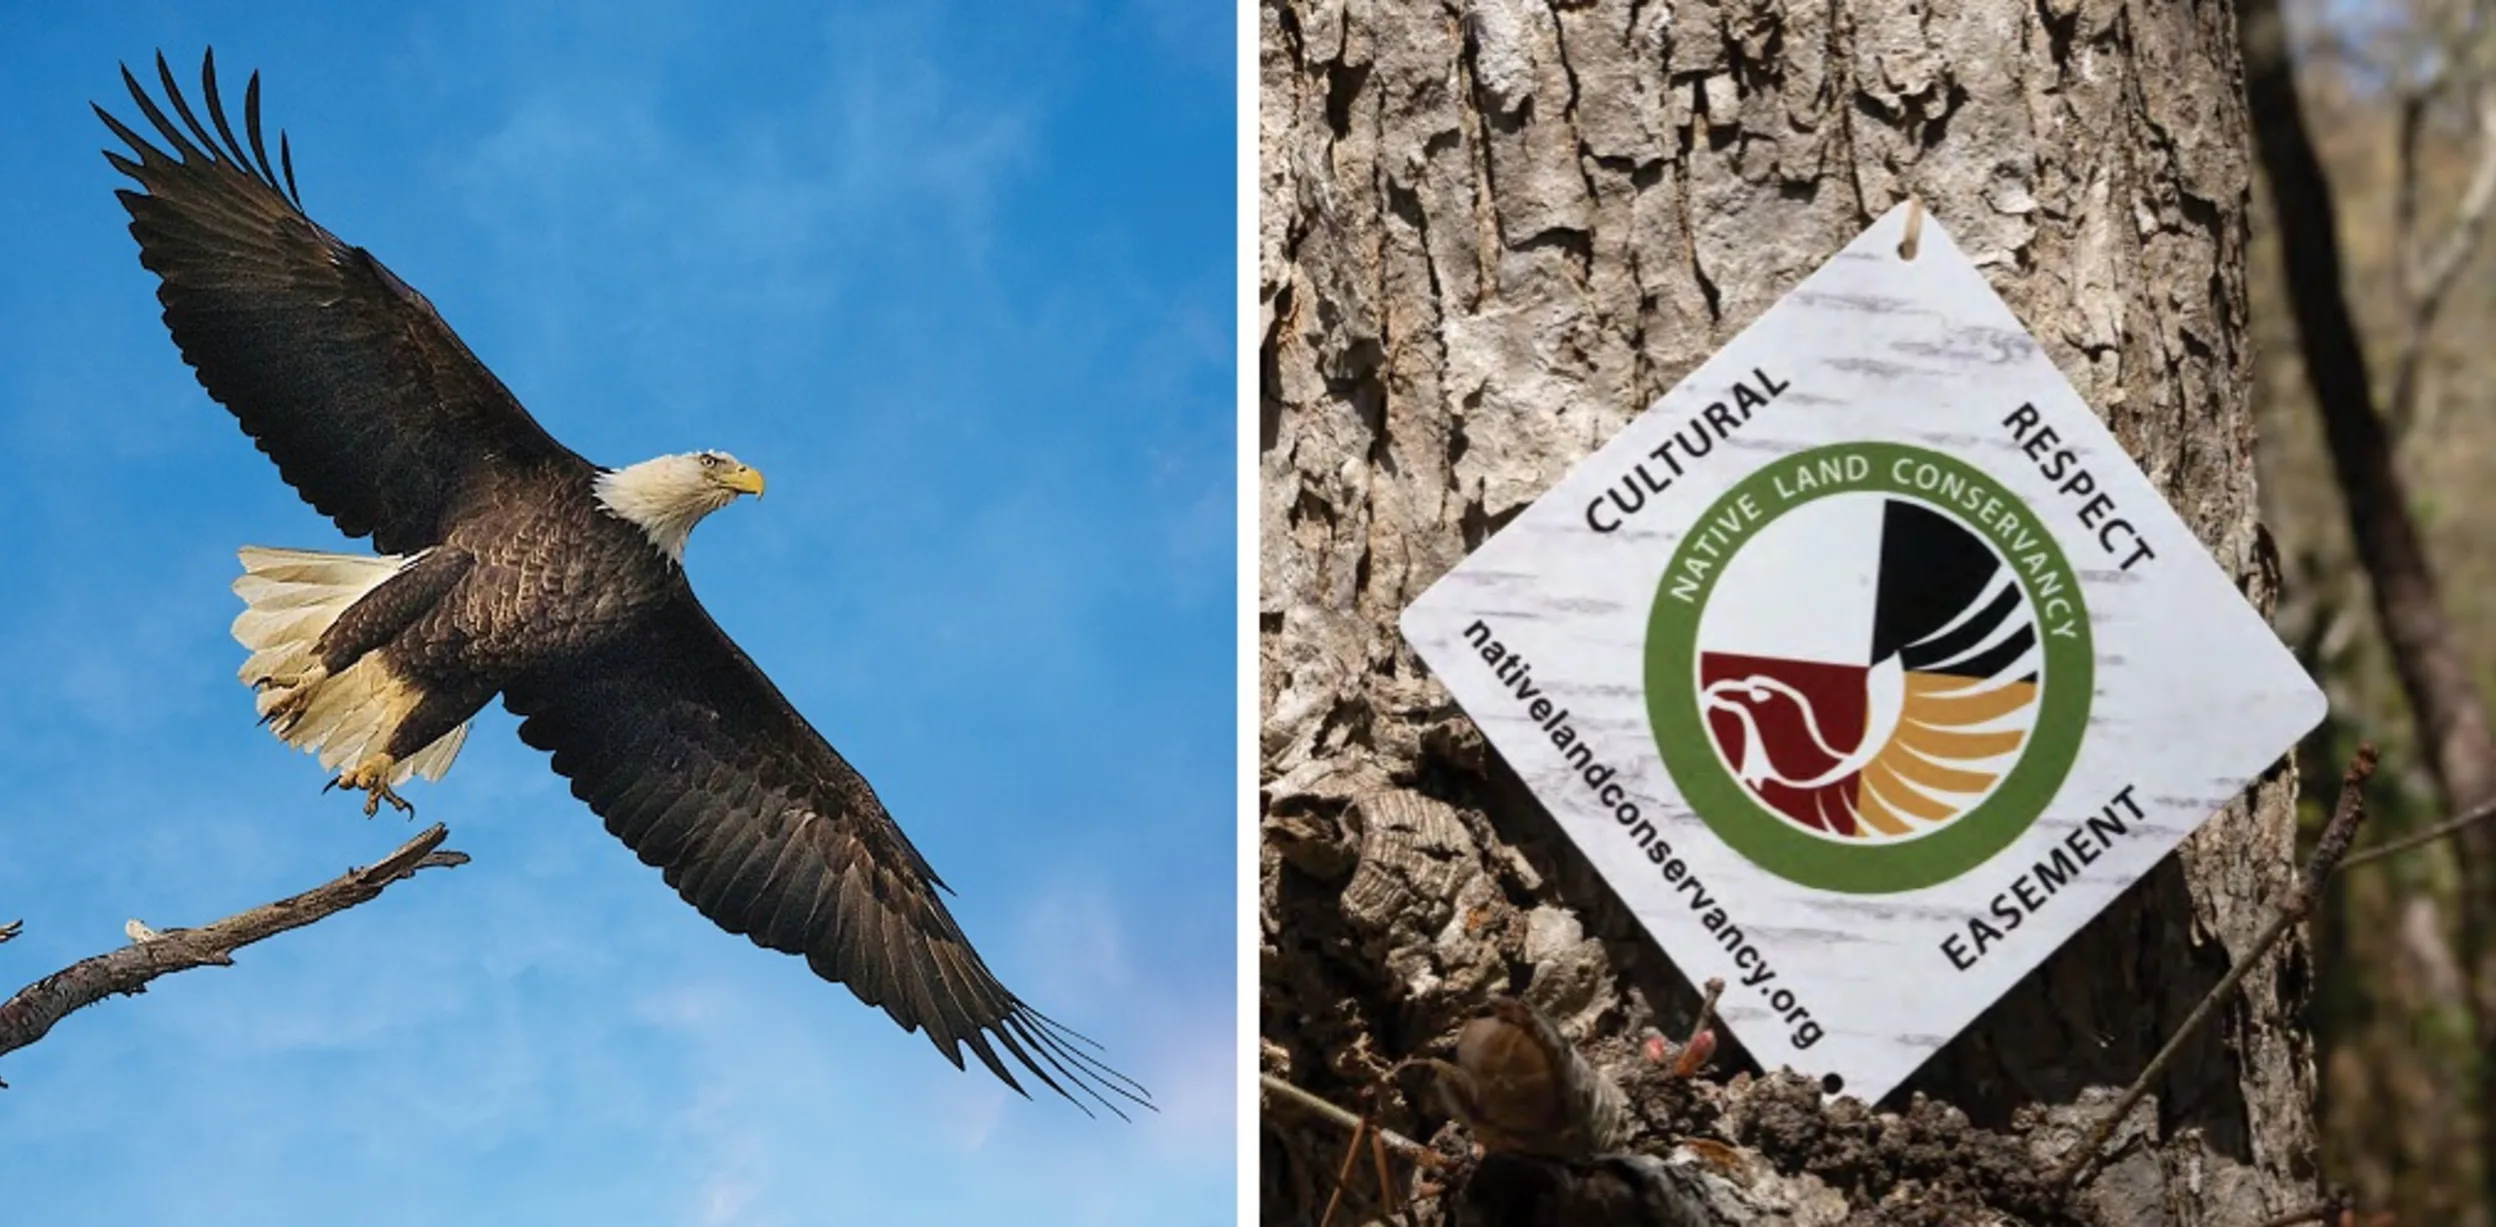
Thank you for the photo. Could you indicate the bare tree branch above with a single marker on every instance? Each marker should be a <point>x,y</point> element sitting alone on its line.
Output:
<point>2429,279</point>
<point>1342,1119</point>
<point>2411,124</point>
<point>2419,839</point>
<point>2293,908</point>
<point>30,1014</point>
<point>2433,276</point>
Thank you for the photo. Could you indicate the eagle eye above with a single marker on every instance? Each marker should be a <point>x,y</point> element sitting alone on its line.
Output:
<point>709,461</point>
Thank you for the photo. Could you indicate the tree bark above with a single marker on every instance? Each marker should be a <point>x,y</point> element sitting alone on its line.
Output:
<point>1492,232</point>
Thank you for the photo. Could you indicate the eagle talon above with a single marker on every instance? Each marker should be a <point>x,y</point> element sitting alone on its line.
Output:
<point>378,793</point>
<point>296,680</point>
<point>287,711</point>
<point>372,778</point>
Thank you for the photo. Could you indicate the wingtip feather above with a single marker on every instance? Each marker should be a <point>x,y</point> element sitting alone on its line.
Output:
<point>251,128</point>
<point>216,104</point>
<point>182,107</point>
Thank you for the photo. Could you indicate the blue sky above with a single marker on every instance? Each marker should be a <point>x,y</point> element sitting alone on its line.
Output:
<point>960,280</point>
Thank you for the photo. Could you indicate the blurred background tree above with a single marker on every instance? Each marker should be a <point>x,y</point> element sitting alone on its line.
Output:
<point>2377,452</point>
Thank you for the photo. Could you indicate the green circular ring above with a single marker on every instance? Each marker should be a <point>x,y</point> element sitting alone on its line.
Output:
<point>1773,842</point>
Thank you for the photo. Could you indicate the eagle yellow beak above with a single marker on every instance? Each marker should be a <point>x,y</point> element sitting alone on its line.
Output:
<point>745,480</point>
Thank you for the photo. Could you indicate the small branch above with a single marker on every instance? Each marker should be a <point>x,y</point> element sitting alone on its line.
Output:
<point>1707,1010</point>
<point>2412,109</point>
<point>2298,903</point>
<point>2430,280</point>
<point>1386,1176</point>
<point>1348,1122</point>
<point>1692,1056</point>
<point>2435,274</point>
<point>30,1014</point>
<point>1343,1176</point>
<point>2419,839</point>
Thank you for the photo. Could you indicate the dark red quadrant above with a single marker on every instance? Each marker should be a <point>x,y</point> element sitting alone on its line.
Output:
<point>1790,697</point>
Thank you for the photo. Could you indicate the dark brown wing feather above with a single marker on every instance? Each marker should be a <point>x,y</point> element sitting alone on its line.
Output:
<point>696,761</point>
<point>370,405</point>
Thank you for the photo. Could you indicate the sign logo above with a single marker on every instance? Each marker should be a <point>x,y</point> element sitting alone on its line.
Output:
<point>1868,667</point>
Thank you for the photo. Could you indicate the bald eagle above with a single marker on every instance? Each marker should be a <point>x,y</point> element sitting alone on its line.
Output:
<point>508,565</point>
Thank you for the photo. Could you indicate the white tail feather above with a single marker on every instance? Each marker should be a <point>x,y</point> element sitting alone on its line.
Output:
<point>291,597</point>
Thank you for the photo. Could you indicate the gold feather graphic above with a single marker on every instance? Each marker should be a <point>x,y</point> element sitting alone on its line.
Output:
<point>1946,751</point>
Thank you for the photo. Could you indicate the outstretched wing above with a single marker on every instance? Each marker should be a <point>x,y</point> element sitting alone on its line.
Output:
<point>697,763</point>
<point>371,406</point>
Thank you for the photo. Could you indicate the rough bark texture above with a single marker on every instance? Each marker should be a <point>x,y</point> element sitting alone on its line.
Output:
<point>1493,231</point>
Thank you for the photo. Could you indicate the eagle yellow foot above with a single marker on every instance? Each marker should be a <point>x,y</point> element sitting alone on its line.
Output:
<point>293,699</point>
<point>289,681</point>
<point>372,778</point>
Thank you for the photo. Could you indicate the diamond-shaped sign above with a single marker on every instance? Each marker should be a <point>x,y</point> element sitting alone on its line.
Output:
<point>1865,665</point>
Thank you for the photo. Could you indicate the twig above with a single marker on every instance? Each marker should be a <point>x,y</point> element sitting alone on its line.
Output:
<point>1343,1174</point>
<point>30,1014</point>
<point>2430,279</point>
<point>2298,903</point>
<point>1346,1121</point>
<point>1692,1056</point>
<point>2412,109</point>
<point>1386,1178</point>
<point>2436,273</point>
<point>1707,1010</point>
<point>2418,839</point>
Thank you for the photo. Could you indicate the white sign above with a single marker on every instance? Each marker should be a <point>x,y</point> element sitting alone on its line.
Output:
<point>1865,665</point>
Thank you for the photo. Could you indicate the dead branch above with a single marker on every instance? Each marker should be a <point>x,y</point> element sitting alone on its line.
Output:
<point>2429,279</point>
<point>31,1014</point>
<point>2293,908</point>
<point>1691,1055</point>
<point>1347,1121</point>
<point>2420,839</point>
<point>2432,278</point>
<point>1707,1011</point>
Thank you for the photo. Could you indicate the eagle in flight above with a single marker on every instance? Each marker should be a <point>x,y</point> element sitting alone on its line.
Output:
<point>508,565</point>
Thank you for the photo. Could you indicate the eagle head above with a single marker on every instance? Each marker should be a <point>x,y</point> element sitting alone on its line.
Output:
<point>667,496</point>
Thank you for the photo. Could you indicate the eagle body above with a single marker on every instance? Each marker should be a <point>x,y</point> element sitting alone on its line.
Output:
<point>533,574</point>
<point>510,566</point>
<point>542,573</point>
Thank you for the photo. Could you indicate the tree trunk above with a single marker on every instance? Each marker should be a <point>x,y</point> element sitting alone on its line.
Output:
<point>1491,233</point>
